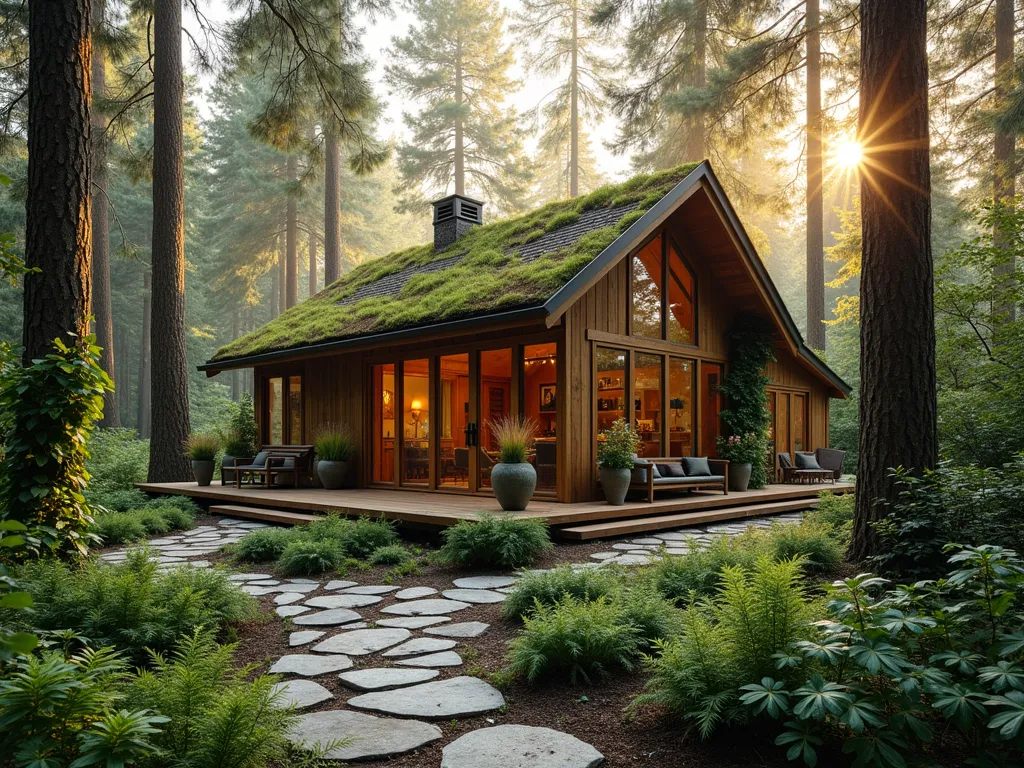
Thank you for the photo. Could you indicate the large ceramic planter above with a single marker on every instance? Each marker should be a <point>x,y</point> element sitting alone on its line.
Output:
<point>203,471</point>
<point>615,484</point>
<point>332,474</point>
<point>739,476</point>
<point>513,485</point>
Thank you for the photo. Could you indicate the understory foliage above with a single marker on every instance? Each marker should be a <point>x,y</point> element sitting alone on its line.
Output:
<point>242,434</point>
<point>135,524</point>
<point>495,541</point>
<point>131,606</point>
<point>54,404</point>
<point>744,387</point>
<point>965,504</point>
<point>310,557</point>
<point>116,462</point>
<point>548,587</point>
<point>727,640</point>
<point>899,673</point>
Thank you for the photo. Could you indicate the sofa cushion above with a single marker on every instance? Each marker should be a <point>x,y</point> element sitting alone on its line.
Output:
<point>695,480</point>
<point>806,461</point>
<point>696,466</point>
<point>261,459</point>
<point>671,470</point>
<point>639,474</point>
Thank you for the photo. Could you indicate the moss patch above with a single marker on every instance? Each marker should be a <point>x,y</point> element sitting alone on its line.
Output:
<point>488,278</point>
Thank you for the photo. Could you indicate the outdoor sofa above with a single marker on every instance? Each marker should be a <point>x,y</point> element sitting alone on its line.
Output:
<point>274,462</point>
<point>686,473</point>
<point>822,465</point>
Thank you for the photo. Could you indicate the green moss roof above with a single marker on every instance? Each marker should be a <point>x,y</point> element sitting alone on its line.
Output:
<point>510,264</point>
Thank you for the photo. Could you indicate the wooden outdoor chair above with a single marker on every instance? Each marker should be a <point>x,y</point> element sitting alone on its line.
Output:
<point>276,461</point>
<point>790,473</point>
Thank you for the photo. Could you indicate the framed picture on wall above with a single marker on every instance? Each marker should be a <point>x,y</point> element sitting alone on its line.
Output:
<point>547,397</point>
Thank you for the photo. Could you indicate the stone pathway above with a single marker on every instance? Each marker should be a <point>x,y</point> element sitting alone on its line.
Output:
<point>393,663</point>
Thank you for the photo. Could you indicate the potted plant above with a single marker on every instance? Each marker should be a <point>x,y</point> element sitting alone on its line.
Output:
<point>616,455</point>
<point>240,439</point>
<point>334,446</point>
<point>201,449</point>
<point>513,478</point>
<point>742,451</point>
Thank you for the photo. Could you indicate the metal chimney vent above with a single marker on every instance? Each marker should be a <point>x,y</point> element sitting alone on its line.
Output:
<point>453,217</point>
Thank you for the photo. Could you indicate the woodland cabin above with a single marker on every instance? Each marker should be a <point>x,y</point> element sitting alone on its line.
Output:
<point>615,304</point>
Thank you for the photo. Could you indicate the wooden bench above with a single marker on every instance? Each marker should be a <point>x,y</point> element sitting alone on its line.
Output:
<point>274,461</point>
<point>718,480</point>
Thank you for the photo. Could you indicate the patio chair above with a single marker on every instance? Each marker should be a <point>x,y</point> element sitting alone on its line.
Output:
<point>831,459</point>
<point>275,461</point>
<point>793,474</point>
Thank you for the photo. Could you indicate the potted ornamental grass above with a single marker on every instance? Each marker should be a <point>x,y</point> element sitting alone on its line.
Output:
<point>616,455</point>
<point>201,449</point>
<point>334,446</point>
<point>741,451</point>
<point>513,478</point>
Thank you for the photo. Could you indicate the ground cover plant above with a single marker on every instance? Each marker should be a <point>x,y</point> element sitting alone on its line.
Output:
<point>117,460</point>
<point>310,557</point>
<point>135,524</point>
<point>548,587</point>
<point>495,541</point>
<point>132,606</point>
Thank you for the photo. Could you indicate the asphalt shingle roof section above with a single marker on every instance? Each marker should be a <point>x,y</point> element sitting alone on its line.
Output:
<point>391,284</point>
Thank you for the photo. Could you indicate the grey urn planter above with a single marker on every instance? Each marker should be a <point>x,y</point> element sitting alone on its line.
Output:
<point>739,476</point>
<point>332,474</point>
<point>513,485</point>
<point>203,471</point>
<point>615,484</point>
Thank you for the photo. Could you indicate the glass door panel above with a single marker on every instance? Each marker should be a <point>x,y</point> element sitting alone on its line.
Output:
<point>384,434</point>
<point>540,403</point>
<point>454,419</point>
<point>782,422</point>
<point>295,410</point>
<point>680,407</point>
<point>416,419</point>
<point>275,400</point>
<point>711,405</point>
<point>495,401</point>
<point>799,423</point>
<point>610,388</point>
<point>647,403</point>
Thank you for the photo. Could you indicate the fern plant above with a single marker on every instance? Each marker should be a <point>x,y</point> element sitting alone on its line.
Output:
<point>496,542</point>
<point>548,587</point>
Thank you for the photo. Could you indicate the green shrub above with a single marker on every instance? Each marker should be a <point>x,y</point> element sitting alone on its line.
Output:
<point>619,446</point>
<point>497,542</point>
<point>184,503</point>
<point>644,608</point>
<point>242,434</point>
<point>393,554</point>
<point>177,518</point>
<point>119,500</point>
<point>132,606</point>
<point>308,557</point>
<point>820,546</point>
<point>835,510</point>
<point>153,521</point>
<point>117,461</point>
<point>119,527</point>
<point>264,545</point>
<point>726,641</point>
<point>548,587</point>
<point>364,535</point>
<point>699,573</point>
<point>219,716</point>
<point>58,713</point>
<point>576,638</point>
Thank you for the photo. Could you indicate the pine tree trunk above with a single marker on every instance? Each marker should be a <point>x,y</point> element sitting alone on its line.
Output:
<point>292,240</point>
<point>1004,172</point>
<point>332,210</point>
<point>235,388</point>
<point>460,128</point>
<point>58,230</point>
<point>143,416</point>
<point>170,402</point>
<point>574,113</point>
<point>897,331</point>
<point>815,212</point>
<point>122,347</point>
<point>312,265</point>
<point>282,275</point>
<point>694,149</point>
<point>275,291</point>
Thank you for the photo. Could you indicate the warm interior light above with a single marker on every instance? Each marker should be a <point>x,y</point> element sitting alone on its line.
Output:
<point>416,405</point>
<point>847,154</point>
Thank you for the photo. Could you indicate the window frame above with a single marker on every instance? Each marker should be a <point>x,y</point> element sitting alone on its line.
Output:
<point>666,238</point>
<point>286,410</point>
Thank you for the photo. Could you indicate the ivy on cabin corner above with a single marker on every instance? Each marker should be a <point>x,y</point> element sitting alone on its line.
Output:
<point>54,404</point>
<point>745,386</point>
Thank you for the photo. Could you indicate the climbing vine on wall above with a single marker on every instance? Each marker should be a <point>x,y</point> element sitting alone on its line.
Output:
<point>745,387</point>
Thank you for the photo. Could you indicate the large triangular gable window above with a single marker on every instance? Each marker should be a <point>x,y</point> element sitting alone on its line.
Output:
<point>664,293</point>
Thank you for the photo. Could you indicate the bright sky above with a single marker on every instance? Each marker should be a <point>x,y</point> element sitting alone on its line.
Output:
<point>377,40</point>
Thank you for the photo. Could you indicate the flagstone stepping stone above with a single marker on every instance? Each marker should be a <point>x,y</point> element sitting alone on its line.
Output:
<point>623,546</point>
<point>385,678</point>
<point>287,611</point>
<point>462,629</point>
<point>648,540</point>
<point>265,583</point>
<point>372,589</point>
<point>198,563</point>
<point>343,601</point>
<point>420,645</point>
<point>519,746</point>
<point>437,700</point>
<point>285,598</point>
<point>485,582</point>
<point>604,555</point>
<point>413,622</point>
<point>304,636</point>
<point>302,581</point>
<point>339,584</point>
<point>427,607</point>
<point>363,641</point>
<point>368,737</point>
<point>414,593</point>
<point>303,588</point>
<point>310,665</point>
<point>159,542</point>
<point>443,659</point>
<point>330,618</point>
<point>301,693</point>
<point>474,595</point>
<point>628,559</point>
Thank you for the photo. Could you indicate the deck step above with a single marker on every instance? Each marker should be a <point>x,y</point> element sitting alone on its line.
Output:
<point>265,515</point>
<point>664,522</point>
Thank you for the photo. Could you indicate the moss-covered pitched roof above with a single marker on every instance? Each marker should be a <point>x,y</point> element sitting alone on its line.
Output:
<point>510,264</point>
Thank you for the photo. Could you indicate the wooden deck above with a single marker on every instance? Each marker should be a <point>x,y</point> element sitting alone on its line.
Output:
<point>575,521</point>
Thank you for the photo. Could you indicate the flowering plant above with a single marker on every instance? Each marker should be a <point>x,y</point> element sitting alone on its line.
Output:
<point>742,449</point>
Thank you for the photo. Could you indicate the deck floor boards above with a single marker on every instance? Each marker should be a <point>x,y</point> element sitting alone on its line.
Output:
<point>444,509</point>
